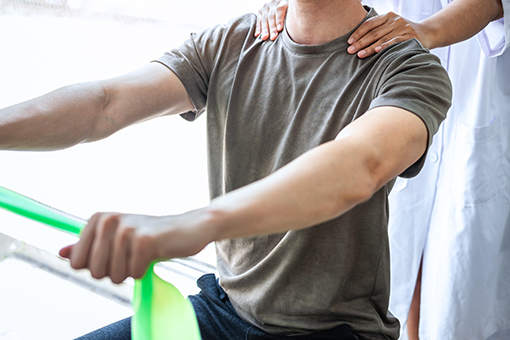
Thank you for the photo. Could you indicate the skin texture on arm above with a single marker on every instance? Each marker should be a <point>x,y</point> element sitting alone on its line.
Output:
<point>91,111</point>
<point>316,187</point>
<point>458,21</point>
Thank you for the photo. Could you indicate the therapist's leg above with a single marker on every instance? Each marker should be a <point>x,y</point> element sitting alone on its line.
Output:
<point>413,319</point>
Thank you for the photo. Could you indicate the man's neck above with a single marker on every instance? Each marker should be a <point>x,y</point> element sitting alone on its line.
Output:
<point>315,22</point>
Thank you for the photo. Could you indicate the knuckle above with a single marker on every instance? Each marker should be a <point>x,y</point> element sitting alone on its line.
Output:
<point>142,244</point>
<point>373,34</point>
<point>125,233</point>
<point>96,215</point>
<point>95,218</point>
<point>108,223</point>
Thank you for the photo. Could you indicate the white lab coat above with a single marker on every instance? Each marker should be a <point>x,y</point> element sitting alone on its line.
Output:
<point>456,212</point>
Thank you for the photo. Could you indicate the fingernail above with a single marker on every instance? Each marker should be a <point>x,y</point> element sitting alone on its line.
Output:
<point>351,49</point>
<point>279,27</point>
<point>362,54</point>
<point>350,41</point>
<point>378,48</point>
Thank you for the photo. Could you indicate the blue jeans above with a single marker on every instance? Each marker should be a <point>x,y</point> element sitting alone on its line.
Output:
<point>218,320</point>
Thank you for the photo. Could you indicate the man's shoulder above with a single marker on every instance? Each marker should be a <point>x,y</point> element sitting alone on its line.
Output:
<point>237,28</point>
<point>246,21</point>
<point>408,49</point>
<point>408,57</point>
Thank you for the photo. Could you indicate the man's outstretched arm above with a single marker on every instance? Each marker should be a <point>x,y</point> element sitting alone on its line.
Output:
<point>91,111</point>
<point>318,186</point>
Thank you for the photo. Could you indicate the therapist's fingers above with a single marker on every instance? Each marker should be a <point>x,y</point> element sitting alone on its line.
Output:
<point>270,19</point>
<point>258,27</point>
<point>380,32</point>
<point>366,27</point>
<point>277,17</point>
<point>264,35</point>
<point>367,44</point>
<point>262,29</point>
<point>381,45</point>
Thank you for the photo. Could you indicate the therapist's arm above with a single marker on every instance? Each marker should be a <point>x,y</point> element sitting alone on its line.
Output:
<point>91,111</point>
<point>458,21</point>
<point>318,186</point>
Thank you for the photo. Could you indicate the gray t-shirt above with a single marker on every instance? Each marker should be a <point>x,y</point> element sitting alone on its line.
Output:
<point>269,102</point>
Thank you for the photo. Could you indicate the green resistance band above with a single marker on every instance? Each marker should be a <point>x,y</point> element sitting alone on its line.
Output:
<point>161,312</point>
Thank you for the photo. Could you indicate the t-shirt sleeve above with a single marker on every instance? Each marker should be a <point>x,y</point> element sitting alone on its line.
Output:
<point>415,81</point>
<point>198,57</point>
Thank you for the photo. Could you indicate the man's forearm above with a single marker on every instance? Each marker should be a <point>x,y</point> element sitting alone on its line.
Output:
<point>57,120</point>
<point>460,20</point>
<point>317,187</point>
<point>323,183</point>
<point>91,111</point>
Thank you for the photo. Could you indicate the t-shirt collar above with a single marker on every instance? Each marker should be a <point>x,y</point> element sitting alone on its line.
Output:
<point>337,44</point>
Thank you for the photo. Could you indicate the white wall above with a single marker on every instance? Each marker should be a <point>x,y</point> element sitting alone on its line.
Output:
<point>158,167</point>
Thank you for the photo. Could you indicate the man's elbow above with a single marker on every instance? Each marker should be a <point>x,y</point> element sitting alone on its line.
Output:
<point>375,173</point>
<point>360,189</point>
<point>103,124</point>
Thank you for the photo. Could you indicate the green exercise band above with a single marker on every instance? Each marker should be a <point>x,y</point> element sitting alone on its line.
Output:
<point>161,312</point>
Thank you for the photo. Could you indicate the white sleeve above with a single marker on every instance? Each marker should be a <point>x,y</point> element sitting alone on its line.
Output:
<point>495,38</point>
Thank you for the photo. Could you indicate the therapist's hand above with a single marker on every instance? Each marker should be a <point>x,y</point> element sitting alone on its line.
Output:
<point>384,30</point>
<point>270,19</point>
<point>121,246</point>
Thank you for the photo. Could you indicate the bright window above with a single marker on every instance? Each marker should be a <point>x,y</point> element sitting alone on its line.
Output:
<point>158,167</point>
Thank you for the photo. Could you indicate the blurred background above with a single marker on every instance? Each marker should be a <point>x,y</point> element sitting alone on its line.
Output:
<point>155,168</point>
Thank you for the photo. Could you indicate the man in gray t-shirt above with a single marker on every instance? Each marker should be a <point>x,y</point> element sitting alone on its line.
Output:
<point>305,141</point>
<point>267,104</point>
